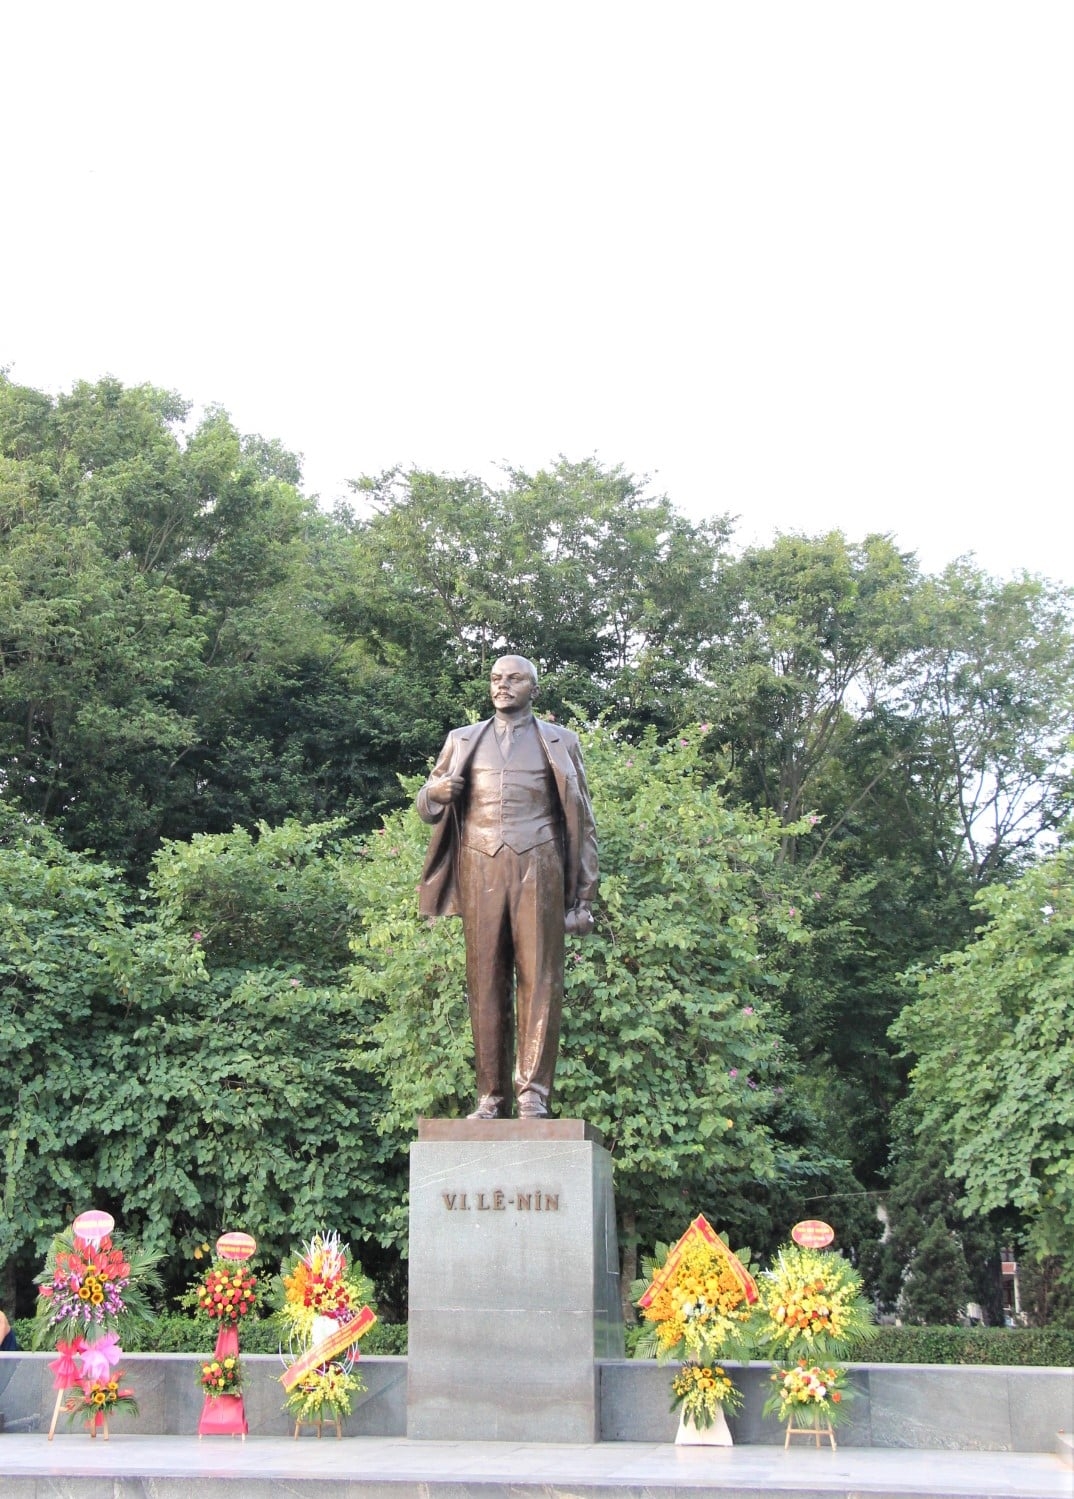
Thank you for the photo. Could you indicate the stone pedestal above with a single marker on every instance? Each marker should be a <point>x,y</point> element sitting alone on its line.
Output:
<point>514,1280</point>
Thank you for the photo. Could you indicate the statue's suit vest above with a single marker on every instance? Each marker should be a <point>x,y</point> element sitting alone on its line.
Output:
<point>511,801</point>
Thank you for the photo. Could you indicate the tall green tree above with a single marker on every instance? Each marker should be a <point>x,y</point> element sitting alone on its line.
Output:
<point>818,626</point>
<point>990,1033</point>
<point>991,685</point>
<point>920,723</point>
<point>935,1260</point>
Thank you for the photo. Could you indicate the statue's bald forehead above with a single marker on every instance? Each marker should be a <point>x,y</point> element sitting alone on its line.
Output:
<point>516,663</point>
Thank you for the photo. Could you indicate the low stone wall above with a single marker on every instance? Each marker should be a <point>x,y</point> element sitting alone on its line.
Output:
<point>170,1399</point>
<point>899,1405</point>
<point>971,1408</point>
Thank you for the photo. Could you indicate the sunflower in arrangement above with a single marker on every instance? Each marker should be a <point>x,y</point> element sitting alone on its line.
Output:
<point>94,1285</point>
<point>702,1391</point>
<point>95,1400</point>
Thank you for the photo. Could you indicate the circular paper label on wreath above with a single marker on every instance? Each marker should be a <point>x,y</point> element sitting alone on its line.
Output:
<point>811,1233</point>
<point>235,1246</point>
<point>94,1225</point>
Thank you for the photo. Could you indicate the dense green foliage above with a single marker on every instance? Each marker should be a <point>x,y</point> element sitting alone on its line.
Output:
<point>169,656</point>
<point>180,1089</point>
<point>214,700</point>
<point>996,1094</point>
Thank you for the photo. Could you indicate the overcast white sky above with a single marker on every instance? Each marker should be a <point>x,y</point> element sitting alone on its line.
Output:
<point>810,262</point>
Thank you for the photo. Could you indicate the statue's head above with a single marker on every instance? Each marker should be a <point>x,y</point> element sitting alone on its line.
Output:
<point>513,684</point>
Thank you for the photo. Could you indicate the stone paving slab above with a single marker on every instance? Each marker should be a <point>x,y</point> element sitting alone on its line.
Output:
<point>132,1467</point>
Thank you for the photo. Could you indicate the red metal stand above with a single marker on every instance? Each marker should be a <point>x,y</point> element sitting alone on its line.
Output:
<point>224,1415</point>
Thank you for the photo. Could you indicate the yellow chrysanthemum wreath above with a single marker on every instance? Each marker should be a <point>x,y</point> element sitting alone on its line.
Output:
<point>697,1297</point>
<point>700,1311</point>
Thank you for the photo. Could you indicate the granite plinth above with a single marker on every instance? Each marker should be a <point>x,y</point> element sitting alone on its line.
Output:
<point>514,1281</point>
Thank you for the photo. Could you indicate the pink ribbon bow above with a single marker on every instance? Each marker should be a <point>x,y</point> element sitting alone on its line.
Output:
<point>100,1358</point>
<point>65,1371</point>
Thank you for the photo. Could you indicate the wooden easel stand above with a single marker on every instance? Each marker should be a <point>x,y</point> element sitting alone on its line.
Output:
<point>56,1413</point>
<point>816,1431</point>
<point>320,1424</point>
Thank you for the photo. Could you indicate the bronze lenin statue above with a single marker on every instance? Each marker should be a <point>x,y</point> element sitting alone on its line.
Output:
<point>514,852</point>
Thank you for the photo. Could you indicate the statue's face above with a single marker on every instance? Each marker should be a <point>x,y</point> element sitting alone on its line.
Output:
<point>511,685</point>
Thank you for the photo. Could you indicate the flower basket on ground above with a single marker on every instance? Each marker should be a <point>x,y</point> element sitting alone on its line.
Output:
<point>805,1391</point>
<point>702,1393</point>
<point>93,1401</point>
<point>698,1300</point>
<point>810,1399</point>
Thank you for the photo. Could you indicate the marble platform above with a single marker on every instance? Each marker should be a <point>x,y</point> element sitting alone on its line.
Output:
<point>142,1467</point>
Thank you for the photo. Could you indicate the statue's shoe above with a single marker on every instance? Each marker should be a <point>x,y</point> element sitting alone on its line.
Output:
<point>487,1108</point>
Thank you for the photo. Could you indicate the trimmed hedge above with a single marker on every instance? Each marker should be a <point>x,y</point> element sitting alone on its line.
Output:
<point>1049,1347</point>
<point>1044,1347</point>
<point>174,1332</point>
